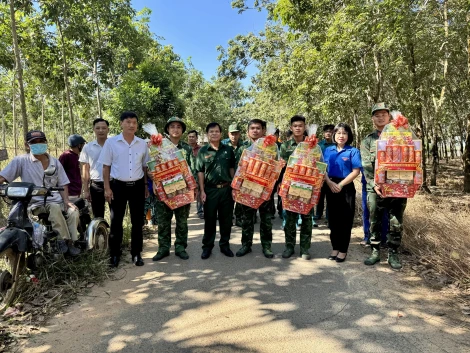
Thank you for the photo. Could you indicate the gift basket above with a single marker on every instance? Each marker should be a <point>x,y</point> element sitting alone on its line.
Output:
<point>398,169</point>
<point>258,171</point>
<point>173,182</point>
<point>301,186</point>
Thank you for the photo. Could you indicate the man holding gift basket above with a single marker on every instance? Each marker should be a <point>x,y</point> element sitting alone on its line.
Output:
<point>257,173</point>
<point>377,202</point>
<point>174,128</point>
<point>298,128</point>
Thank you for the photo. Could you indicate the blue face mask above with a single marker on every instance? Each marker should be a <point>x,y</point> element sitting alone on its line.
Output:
<point>38,148</point>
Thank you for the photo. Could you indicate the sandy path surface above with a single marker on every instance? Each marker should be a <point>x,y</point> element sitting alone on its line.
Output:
<point>254,304</point>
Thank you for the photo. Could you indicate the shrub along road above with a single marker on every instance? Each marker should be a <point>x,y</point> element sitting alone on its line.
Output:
<point>254,304</point>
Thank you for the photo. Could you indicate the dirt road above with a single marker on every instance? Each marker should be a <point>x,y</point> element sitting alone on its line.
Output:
<point>254,304</point>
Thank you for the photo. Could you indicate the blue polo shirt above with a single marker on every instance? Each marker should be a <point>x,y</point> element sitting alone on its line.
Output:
<point>342,163</point>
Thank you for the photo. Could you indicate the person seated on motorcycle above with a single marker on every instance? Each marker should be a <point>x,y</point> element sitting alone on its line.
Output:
<point>69,160</point>
<point>30,168</point>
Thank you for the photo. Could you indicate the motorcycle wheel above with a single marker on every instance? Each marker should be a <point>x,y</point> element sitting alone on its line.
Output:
<point>101,237</point>
<point>11,266</point>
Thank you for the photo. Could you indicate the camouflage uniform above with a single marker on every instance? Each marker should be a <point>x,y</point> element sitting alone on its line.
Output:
<point>287,148</point>
<point>236,151</point>
<point>248,214</point>
<point>165,214</point>
<point>377,205</point>
<point>216,165</point>
<point>150,204</point>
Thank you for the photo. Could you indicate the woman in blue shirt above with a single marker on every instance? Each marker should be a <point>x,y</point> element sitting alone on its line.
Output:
<point>344,163</point>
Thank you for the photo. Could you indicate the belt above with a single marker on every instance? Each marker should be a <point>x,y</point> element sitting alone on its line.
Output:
<point>99,183</point>
<point>127,183</point>
<point>219,185</point>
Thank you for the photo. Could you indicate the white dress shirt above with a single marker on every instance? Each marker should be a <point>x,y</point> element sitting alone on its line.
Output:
<point>126,160</point>
<point>90,154</point>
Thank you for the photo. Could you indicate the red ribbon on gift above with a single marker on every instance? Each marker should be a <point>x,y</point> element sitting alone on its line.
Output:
<point>312,141</point>
<point>156,139</point>
<point>269,140</point>
<point>400,121</point>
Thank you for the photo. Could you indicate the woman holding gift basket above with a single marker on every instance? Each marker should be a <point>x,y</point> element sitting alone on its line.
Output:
<point>344,163</point>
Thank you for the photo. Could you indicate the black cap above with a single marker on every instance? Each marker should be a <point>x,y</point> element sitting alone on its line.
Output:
<point>35,134</point>
<point>75,140</point>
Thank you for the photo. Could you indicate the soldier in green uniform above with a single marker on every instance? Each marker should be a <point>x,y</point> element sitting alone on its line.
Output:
<point>174,128</point>
<point>376,203</point>
<point>215,166</point>
<point>266,210</point>
<point>298,128</point>
<point>234,141</point>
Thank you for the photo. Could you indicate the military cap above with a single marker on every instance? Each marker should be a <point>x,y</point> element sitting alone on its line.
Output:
<point>379,106</point>
<point>175,119</point>
<point>233,128</point>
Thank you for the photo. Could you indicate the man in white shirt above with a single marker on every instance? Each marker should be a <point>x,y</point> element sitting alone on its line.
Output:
<point>124,158</point>
<point>92,170</point>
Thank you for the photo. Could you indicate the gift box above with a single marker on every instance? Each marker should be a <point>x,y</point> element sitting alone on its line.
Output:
<point>302,182</point>
<point>398,168</point>
<point>257,172</point>
<point>174,183</point>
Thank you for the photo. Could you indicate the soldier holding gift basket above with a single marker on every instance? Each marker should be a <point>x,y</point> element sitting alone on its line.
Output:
<point>391,158</point>
<point>173,184</point>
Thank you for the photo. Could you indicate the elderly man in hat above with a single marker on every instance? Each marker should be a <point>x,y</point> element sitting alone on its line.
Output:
<point>376,202</point>
<point>30,168</point>
<point>174,128</point>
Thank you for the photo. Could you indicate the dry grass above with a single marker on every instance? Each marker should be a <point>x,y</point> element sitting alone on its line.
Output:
<point>437,230</point>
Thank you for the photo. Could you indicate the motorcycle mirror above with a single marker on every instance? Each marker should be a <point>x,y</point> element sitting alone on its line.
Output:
<point>50,171</point>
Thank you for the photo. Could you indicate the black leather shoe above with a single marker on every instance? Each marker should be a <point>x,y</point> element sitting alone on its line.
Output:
<point>137,260</point>
<point>206,253</point>
<point>227,252</point>
<point>331,257</point>
<point>183,255</point>
<point>114,261</point>
<point>160,255</point>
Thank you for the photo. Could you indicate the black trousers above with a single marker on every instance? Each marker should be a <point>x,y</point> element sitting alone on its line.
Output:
<point>97,198</point>
<point>341,209</point>
<point>124,193</point>
<point>321,201</point>
<point>219,204</point>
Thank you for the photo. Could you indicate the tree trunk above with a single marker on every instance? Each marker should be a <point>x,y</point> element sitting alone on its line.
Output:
<point>466,154</point>
<point>63,125</point>
<point>97,82</point>
<point>66,78</point>
<point>18,69</point>
<point>13,108</point>
<point>43,102</point>
<point>356,130</point>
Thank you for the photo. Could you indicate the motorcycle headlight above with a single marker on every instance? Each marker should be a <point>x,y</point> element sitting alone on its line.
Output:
<point>17,191</point>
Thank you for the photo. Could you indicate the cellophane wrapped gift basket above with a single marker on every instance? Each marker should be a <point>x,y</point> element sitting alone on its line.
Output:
<point>257,172</point>
<point>173,181</point>
<point>398,168</point>
<point>303,179</point>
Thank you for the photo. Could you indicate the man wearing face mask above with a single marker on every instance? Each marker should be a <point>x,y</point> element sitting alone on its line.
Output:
<point>69,160</point>
<point>30,168</point>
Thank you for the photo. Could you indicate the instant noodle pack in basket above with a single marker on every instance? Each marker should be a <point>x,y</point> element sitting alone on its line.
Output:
<point>173,181</point>
<point>258,171</point>
<point>303,179</point>
<point>398,169</point>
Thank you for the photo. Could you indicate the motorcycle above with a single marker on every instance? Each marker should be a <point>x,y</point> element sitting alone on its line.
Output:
<point>27,239</point>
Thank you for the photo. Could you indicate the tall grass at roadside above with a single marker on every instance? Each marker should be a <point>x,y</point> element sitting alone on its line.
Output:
<point>438,231</point>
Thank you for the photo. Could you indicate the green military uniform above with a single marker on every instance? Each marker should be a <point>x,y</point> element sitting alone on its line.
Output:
<point>237,150</point>
<point>287,148</point>
<point>165,213</point>
<point>216,164</point>
<point>377,205</point>
<point>248,214</point>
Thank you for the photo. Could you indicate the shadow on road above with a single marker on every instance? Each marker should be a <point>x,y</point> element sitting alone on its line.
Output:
<point>254,304</point>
